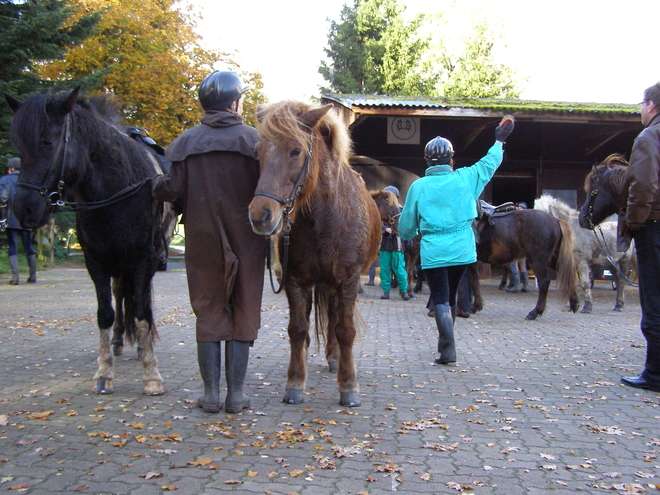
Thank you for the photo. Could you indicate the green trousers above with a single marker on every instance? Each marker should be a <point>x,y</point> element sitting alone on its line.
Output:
<point>393,262</point>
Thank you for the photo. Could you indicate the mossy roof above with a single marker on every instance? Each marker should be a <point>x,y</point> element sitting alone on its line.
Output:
<point>354,101</point>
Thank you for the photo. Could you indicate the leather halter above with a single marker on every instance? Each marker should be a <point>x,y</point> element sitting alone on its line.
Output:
<point>588,209</point>
<point>289,205</point>
<point>56,198</point>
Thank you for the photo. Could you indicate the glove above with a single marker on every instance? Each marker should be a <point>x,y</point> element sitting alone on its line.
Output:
<point>505,128</point>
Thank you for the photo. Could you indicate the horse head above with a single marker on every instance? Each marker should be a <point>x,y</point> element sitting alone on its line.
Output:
<point>39,132</point>
<point>388,207</point>
<point>605,189</point>
<point>294,138</point>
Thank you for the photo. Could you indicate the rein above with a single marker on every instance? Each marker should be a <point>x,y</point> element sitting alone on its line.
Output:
<point>289,204</point>
<point>55,198</point>
<point>608,254</point>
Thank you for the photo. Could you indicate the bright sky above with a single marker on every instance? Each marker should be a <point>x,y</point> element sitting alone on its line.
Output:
<point>568,50</point>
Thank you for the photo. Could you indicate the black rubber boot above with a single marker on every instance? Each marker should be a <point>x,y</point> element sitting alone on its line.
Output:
<point>524,279</point>
<point>209,358</point>
<point>32,263</point>
<point>446,344</point>
<point>515,277</point>
<point>237,354</point>
<point>13,264</point>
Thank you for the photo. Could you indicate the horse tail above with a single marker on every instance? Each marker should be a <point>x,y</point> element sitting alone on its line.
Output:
<point>566,272</point>
<point>128,291</point>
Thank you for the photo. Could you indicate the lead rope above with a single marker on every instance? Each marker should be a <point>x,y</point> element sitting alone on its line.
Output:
<point>608,254</point>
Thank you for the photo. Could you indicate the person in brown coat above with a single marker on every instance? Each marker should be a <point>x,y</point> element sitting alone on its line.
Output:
<point>214,174</point>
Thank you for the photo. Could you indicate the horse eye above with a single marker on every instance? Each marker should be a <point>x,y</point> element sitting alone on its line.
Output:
<point>48,143</point>
<point>295,152</point>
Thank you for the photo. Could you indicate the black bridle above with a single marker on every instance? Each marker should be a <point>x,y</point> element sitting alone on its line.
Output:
<point>289,204</point>
<point>56,198</point>
<point>588,214</point>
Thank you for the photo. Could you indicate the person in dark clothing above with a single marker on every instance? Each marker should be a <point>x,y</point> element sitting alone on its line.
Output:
<point>640,219</point>
<point>214,173</point>
<point>392,262</point>
<point>14,229</point>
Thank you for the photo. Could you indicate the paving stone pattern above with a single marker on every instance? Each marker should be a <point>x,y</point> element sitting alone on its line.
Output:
<point>532,407</point>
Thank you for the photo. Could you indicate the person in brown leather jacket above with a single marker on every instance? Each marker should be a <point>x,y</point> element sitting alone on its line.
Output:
<point>215,172</point>
<point>642,219</point>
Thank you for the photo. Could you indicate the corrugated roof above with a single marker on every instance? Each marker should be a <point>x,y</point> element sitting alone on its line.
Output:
<point>356,101</point>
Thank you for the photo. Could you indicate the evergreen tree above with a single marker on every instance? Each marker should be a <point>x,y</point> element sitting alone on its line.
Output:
<point>373,50</point>
<point>31,32</point>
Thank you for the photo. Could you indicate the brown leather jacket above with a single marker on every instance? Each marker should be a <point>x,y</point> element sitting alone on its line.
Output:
<point>642,181</point>
<point>215,172</point>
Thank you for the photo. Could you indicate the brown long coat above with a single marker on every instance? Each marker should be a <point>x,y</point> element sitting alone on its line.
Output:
<point>215,172</point>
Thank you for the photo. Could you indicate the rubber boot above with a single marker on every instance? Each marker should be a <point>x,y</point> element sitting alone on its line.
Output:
<point>516,283</point>
<point>524,278</point>
<point>13,264</point>
<point>386,295</point>
<point>209,358</point>
<point>236,362</point>
<point>32,263</point>
<point>446,344</point>
<point>372,275</point>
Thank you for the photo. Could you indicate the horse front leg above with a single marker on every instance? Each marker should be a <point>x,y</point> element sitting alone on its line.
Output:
<point>543,280</point>
<point>105,315</point>
<point>118,327</point>
<point>152,381</point>
<point>620,288</point>
<point>584,282</point>
<point>300,307</point>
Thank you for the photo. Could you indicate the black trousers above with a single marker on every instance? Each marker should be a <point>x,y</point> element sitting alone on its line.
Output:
<point>647,245</point>
<point>443,283</point>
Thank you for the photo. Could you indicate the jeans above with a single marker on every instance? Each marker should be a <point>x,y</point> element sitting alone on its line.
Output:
<point>26,238</point>
<point>647,246</point>
<point>443,283</point>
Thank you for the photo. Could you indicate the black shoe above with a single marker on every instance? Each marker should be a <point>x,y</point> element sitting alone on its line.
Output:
<point>386,295</point>
<point>405,296</point>
<point>640,382</point>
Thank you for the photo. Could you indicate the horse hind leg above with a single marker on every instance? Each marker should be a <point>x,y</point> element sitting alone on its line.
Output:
<point>620,289</point>
<point>584,282</point>
<point>118,328</point>
<point>151,380</point>
<point>104,377</point>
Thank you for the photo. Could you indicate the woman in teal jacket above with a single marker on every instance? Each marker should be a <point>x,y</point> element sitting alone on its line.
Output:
<point>441,206</point>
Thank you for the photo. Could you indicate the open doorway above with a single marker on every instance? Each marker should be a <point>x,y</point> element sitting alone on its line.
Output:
<point>514,189</point>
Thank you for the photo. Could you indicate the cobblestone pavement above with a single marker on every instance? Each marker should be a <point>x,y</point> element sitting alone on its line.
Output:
<point>532,407</point>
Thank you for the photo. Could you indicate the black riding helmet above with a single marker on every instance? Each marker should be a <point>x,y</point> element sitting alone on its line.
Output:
<point>220,89</point>
<point>438,151</point>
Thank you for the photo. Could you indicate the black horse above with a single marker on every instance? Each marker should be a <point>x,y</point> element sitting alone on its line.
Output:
<point>545,241</point>
<point>73,153</point>
<point>606,191</point>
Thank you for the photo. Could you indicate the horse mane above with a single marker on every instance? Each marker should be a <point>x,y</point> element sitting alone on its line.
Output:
<point>615,162</point>
<point>281,120</point>
<point>555,207</point>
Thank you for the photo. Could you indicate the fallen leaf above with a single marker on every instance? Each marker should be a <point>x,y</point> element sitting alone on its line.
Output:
<point>233,482</point>
<point>252,474</point>
<point>170,488</point>
<point>81,488</point>
<point>151,474</point>
<point>21,486</point>
<point>40,415</point>
<point>201,462</point>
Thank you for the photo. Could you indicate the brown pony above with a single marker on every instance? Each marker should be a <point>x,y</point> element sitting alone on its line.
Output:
<point>545,241</point>
<point>330,227</point>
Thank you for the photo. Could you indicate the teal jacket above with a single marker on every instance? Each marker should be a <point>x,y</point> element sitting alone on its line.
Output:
<point>442,205</point>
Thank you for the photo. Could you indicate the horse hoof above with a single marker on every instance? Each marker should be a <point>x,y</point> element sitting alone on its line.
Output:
<point>103,386</point>
<point>586,310</point>
<point>531,316</point>
<point>618,308</point>
<point>349,399</point>
<point>293,396</point>
<point>153,387</point>
<point>117,349</point>
<point>333,367</point>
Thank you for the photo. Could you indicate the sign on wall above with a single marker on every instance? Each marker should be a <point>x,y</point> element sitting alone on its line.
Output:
<point>403,130</point>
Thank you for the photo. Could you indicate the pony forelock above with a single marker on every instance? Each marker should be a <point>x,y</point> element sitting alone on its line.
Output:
<point>281,121</point>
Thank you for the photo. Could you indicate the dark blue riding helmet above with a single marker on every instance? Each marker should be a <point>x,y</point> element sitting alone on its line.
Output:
<point>438,151</point>
<point>220,89</point>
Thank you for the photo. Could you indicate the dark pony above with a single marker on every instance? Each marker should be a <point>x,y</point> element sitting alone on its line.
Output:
<point>73,154</point>
<point>326,220</point>
<point>545,241</point>
<point>606,191</point>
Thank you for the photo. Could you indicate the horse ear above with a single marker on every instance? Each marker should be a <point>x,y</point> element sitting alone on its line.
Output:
<point>71,100</point>
<point>261,109</point>
<point>14,103</point>
<point>311,118</point>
